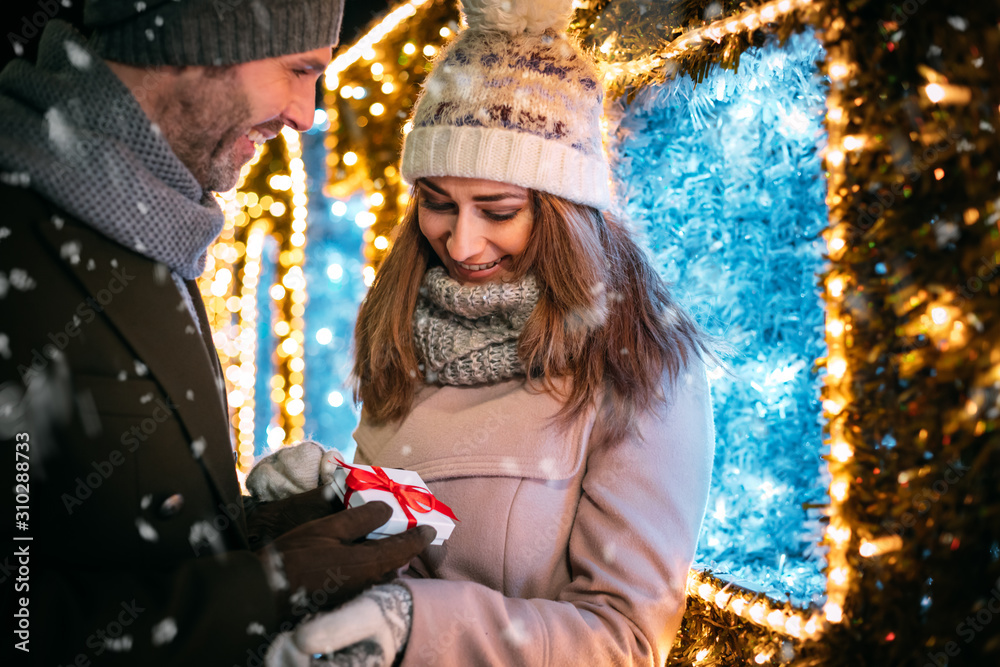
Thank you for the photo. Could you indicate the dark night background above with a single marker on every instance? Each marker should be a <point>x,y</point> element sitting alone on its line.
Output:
<point>13,13</point>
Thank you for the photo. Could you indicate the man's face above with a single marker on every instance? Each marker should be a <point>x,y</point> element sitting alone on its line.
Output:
<point>213,116</point>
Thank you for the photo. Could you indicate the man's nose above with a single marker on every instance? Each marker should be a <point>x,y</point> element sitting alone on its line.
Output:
<point>301,109</point>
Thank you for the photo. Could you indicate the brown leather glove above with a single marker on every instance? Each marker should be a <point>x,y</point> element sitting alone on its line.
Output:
<point>266,521</point>
<point>327,561</point>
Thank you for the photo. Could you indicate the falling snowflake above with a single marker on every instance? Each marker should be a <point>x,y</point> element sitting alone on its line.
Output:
<point>161,272</point>
<point>274,569</point>
<point>946,232</point>
<point>146,500</point>
<point>4,232</point>
<point>71,250</point>
<point>150,35</point>
<point>4,346</point>
<point>189,395</point>
<point>15,178</point>
<point>4,285</point>
<point>139,245</point>
<point>189,329</point>
<point>405,450</point>
<point>516,633</point>
<point>114,264</point>
<point>18,48</point>
<point>78,56</point>
<point>164,632</point>
<point>60,132</point>
<point>146,398</point>
<point>202,532</point>
<point>140,6</point>
<point>122,376</point>
<point>609,552</point>
<point>91,265</point>
<point>20,279</point>
<point>299,597</point>
<point>146,531</point>
<point>958,23</point>
<point>158,21</point>
<point>119,645</point>
<point>547,466</point>
<point>198,447</point>
<point>142,207</point>
<point>140,368</point>
<point>255,628</point>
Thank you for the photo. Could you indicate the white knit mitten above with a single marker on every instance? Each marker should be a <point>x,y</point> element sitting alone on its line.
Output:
<point>287,472</point>
<point>370,630</point>
<point>329,464</point>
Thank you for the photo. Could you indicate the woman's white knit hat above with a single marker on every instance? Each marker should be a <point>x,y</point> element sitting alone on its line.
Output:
<point>513,100</point>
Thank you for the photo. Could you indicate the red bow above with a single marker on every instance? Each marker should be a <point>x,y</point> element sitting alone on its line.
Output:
<point>407,495</point>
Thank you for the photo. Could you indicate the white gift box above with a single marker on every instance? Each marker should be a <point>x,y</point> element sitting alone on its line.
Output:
<point>399,522</point>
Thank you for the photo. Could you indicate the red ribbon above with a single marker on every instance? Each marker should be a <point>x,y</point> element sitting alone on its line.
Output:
<point>408,496</point>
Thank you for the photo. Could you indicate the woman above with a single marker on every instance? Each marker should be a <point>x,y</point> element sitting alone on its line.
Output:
<point>518,351</point>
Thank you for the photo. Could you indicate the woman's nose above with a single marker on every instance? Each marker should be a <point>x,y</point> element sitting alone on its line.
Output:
<point>466,240</point>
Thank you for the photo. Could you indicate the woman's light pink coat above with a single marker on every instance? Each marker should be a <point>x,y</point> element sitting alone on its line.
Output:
<point>565,554</point>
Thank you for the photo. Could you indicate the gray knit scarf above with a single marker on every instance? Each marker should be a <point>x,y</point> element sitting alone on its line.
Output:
<point>468,334</point>
<point>72,131</point>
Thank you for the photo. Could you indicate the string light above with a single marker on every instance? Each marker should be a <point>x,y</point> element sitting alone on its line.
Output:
<point>696,38</point>
<point>369,40</point>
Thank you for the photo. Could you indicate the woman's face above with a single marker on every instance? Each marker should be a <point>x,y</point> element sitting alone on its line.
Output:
<point>476,227</point>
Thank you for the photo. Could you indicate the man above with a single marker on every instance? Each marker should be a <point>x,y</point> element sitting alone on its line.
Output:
<point>132,544</point>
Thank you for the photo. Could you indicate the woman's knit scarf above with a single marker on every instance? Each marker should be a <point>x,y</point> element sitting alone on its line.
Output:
<point>467,334</point>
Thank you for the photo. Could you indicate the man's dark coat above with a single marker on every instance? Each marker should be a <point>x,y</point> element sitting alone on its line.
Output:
<point>139,552</point>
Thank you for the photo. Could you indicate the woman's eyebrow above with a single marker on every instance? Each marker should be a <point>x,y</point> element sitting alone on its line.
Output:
<point>430,186</point>
<point>498,197</point>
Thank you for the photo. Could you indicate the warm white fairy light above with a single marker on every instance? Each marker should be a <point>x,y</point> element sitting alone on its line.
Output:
<point>364,46</point>
<point>696,38</point>
<point>841,451</point>
<point>293,282</point>
<point>839,67</point>
<point>248,356</point>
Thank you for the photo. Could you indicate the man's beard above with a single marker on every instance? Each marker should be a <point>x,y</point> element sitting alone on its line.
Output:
<point>202,122</point>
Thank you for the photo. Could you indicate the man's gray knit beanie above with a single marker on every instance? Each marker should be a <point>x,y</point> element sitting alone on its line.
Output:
<point>209,32</point>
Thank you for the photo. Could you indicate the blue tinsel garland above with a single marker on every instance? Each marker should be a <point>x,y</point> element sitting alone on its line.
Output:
<point>724,181</point>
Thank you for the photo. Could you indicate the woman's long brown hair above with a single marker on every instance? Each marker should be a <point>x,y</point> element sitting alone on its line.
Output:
<point>604,319</point>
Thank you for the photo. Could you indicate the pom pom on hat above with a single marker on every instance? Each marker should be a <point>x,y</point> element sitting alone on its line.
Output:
<point>513,99</point>
<point>518,16</point>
